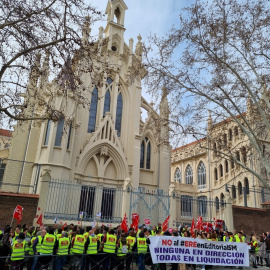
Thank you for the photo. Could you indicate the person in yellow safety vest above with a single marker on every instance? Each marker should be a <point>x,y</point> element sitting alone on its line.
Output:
<point>37,247</point>
<point>254,251</point>
<point>239,237</point>
<point>86,234</point>
<point>62,246</point>
<point>142,250</point>
<point>109,246</point>
<point>47,247</point>
<point>31,252</point>
<point>17,231</point>
<point>141,228</point>
<point>18,252</point>
<point>77,245</point>
<point>59,234</point>
<point>122,250</point>
<point>227,237</point>
<point>131,239</point>
<point>91,249</point>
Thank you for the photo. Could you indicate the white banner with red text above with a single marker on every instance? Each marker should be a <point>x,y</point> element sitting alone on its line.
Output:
<point>170,249</point>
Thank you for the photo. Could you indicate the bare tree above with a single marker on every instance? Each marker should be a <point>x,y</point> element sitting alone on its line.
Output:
<point>217,59</point>
<point>31,31</point>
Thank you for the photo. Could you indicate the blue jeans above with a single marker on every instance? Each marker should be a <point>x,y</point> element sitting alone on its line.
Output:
<point>60,262</point>
<point>141,261</point>
<point>34,262</point>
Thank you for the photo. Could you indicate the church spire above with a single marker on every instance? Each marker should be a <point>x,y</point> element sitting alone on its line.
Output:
<point>86,31</point>
<point>114,30</point>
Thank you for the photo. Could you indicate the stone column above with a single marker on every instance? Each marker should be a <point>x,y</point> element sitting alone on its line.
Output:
<point>228,213</point>
<point>43,191</point>
<point>172,194</point>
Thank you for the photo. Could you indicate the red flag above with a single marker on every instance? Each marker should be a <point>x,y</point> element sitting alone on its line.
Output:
<point>165,224</point>
<point>209,226</point>
<point>124,224</point>
<point>192,226</point>
<point>147,221</point>
<point>65,224</point>
<point>199,224</point>
<point>134,216</point>
<point>219,223</point>
<point>205,226</point>
<point>17,214</point>
<point>39,221</point>
<point>135,222</point>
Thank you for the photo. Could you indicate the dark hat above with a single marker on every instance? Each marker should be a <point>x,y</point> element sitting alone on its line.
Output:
<point>21,235</point>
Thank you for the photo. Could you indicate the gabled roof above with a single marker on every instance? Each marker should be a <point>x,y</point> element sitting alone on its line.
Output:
<point>5,132</point>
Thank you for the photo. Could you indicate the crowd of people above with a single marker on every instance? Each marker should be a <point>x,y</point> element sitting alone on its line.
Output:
<point>38,247</point>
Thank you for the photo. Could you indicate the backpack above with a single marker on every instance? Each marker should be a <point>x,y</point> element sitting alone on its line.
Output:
<point>252,250</point>
<point>124,249</point>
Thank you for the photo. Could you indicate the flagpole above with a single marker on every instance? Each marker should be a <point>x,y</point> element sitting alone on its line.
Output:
<point>11,222</point>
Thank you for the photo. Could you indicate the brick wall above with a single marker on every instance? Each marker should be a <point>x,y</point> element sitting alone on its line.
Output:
<point>251,219</point>
<point>8,202</point>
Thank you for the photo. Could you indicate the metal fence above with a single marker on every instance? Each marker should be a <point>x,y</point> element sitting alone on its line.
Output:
<point>153,205</point>
<point>83,261</point>
<point>65,200</point>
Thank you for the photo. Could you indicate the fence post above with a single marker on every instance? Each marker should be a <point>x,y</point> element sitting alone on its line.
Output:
<point>44,188</point>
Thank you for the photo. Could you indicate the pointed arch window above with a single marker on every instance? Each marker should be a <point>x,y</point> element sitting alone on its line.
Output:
<point>119,109</point>
<point>177,176</point>
<point>59,132</point>
<point>107,100</point>
<point>145,160</point>
<point>189,175</point>
<point>246,185</point>
<point>201,176</point>
<point>148,155</point>
<point>221,170</point>
<point>222,200</point>
<point>240,189</point>
<point>216,174</point>
<point>142,155</point>
<point>47,135</point>
<point>93,111</point>
<point>226,166</point>
<point>217,203</point>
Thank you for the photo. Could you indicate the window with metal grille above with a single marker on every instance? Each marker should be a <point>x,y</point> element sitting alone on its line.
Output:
<point>87,200</point>
<point>107,203</point>
<point>186,206</point>
<point>202,206</point>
